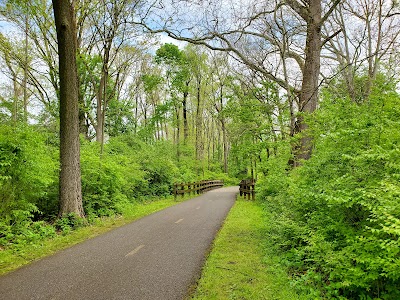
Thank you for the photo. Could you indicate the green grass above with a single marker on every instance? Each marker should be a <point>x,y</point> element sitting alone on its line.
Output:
<point>11,259</point>
<point>237,267</point>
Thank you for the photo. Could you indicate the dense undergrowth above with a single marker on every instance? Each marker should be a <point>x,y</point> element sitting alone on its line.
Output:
<point>336,219</point>
<point>128,172</point>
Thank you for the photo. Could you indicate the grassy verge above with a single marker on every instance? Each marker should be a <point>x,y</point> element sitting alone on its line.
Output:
<point>11,259</point>
<point>237,267</point>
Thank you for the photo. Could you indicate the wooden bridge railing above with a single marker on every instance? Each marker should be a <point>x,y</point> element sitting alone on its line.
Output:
<point>196,187</point>
<point>247,187</point>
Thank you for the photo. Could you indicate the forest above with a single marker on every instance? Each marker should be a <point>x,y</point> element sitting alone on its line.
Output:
<point>107,103</point>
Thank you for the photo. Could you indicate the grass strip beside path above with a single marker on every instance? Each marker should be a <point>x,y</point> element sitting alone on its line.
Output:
<point>12,259</point>
<point>237,267</point>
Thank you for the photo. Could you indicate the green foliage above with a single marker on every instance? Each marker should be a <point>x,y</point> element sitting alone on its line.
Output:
<point>89,68</point>
<point>22,233</point>
<point>128,171</point>
<point>338,218</point>
<point>251,128</point>
<point>150,82</point>
<point>68,222</point>
<point>169,54</point>
<point>273,176</point>
<point>124,173</point>
<point>178,67</point>
<point>119,118</point>
<point>27,169</point>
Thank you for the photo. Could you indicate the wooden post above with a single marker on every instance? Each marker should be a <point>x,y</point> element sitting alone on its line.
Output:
<point>183,189</point>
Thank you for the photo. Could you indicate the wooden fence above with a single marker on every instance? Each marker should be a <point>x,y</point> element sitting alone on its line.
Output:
<point>196,187</point>
<point>247,187</point>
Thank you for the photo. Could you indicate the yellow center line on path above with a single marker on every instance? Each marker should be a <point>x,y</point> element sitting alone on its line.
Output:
<point>180,220</point>
<point>134,251</point>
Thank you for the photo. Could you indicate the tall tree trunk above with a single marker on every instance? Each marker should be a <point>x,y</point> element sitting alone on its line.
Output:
<point>83,119</point>
<point>185,120</point>
<point>223,128</point>
<point>178,133</point>
<point>208,141</point>
<point>26,68</point>
<point>14,113</point>
<point>15,98</point>
<point>309,91</point>
<point>288,88</point>
<point>102,97</point>
<point>373,56</point>
<point>199,122</point>
<point>166,130</point>
<point>136,113</point>
<point>214,137</point>
<point>70,173</point>
<point>83,124</point>
<point>103,114</point>
<point>225,145</point>
<point>99,111</point>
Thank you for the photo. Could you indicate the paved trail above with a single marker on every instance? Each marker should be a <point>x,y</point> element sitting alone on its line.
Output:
<point>157,257</point>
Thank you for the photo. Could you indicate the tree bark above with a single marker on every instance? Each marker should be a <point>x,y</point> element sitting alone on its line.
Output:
<point>225,145</point>
<point>99,110</point>
<point>199,123</point>
<point>224,133</point>
<point>185,120</point>
<point>83,119</point>
<point>308,98</point>
<point>26,69</point>
<point>178,133</point>
<point>83,122</point>
<point>70,172</point>
<point>15,100</point>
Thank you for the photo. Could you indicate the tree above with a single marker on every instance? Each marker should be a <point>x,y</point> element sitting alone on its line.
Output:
<point>196,59</point>
<point>252,34</point>
<point>179,79</point>
<point>70,171</point>
<point>220,73</point>
<point>12,70</point>
<point>369,37</point>
<point>34,20</point>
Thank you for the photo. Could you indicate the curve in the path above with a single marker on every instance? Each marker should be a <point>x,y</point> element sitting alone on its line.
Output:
<point>157,257</point>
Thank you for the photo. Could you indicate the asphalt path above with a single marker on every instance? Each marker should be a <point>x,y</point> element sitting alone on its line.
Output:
<point>157,257</point>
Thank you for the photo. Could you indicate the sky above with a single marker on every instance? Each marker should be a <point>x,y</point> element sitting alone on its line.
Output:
<point>164,39</point>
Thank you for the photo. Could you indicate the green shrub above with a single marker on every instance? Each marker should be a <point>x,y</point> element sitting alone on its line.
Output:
<point>108,179</point>
<point>68,222</point>
<point>338,218</point>
<point>127,171</point>
<point>27,168</point>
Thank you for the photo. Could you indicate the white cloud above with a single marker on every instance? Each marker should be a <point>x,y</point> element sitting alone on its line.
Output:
<point>163,39</point>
